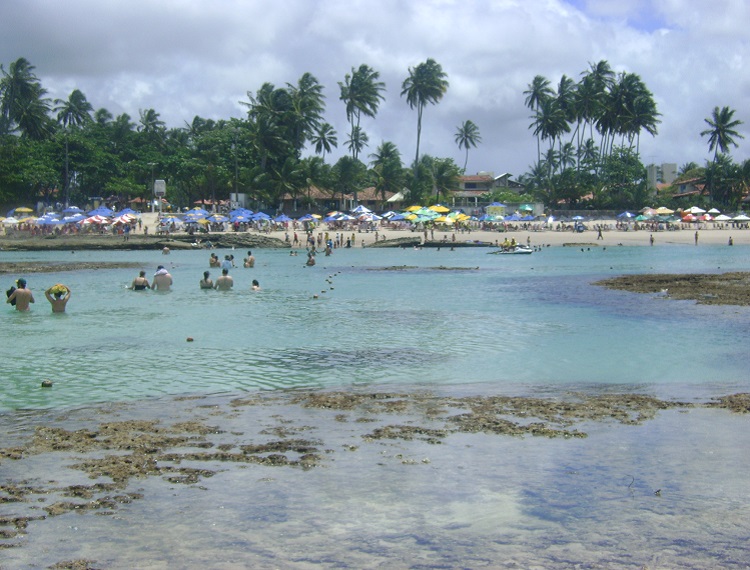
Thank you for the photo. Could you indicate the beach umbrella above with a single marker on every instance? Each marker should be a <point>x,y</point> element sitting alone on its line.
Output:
<point>260,216</point>
<point>642,218</point>
<point>389,214</point>
<point>722,218</point>
<point>100,211</point>
<point>125,212</point>
<point>24,210</point>
<point>696,210</point>
<point>74,218</point>
<point>626,215</point>
<point>217,218</point>
<point>741,218</point>
<point>200,212</point>
<point>72,210</point>
<point>413,208</point>
<point>283,218</point>
<point>714,212</point>
<point>662,211</point>
<point>526,207</point>
<point>498,205</point>
<point>361,210</point>
<point>369,217</point>
<point>577,218</point>
<point>239,218</point>
<point>125,219</point>
<point>96,220</point>
<point>9,221</point>
<point>398,217</point>
<point>440,209</point>
<point>689,218</point>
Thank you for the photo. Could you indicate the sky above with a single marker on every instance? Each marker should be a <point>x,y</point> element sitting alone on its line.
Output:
<point>201,57</point>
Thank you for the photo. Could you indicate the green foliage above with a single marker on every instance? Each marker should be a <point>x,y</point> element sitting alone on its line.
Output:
<point>623,181</point>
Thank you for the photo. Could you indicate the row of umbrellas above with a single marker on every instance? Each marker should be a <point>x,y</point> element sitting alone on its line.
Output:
<point>72,215</point>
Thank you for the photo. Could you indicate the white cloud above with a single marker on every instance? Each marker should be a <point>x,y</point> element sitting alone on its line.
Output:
<point>195,57</point>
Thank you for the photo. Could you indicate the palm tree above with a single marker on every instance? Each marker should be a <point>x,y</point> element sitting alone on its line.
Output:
<point>467,136</point>
<point>23,106</point>
<point>307,102</point>
<point>426,83</point>
<point>721,134</point>
<point>362,93</point>
<point>325,139</point>
<point>357,142</point>
<point>445,175</point>
<point>75,112</point>
<point>387,169</point>
<point>539,90</point>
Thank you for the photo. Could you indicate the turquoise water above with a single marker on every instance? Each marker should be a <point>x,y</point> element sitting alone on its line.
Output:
<point>517,325</point>
<point>503,320</point>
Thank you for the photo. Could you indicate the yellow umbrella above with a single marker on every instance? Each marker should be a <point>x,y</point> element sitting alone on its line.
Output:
<point>24,210</point>
<point>440,209</point>
<point>413,208</point>
<point>664,211</point>
<point>317,216</point>
<point>411,217</point>
<point>27,220</point>
<point>443,220</point>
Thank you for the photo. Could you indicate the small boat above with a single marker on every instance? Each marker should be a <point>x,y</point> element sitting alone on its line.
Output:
<point>516,250</point>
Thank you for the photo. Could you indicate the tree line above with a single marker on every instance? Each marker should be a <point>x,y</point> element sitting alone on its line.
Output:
<point>66,151</point>
<point>591,132</point>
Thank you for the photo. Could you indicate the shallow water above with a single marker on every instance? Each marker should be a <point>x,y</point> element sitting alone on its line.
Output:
<point>516,320</point>
<point>531,325</point>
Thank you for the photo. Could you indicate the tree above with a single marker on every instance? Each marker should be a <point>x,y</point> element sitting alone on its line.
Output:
<point>73,112</point>
<point>426,83</point>
<point>538,90</point>
<point>325,139</point>
<point>445,175</point>
<point>721,133</point>
<point>467,136</point>
<point>357,142</point>
<point>361,92</point>
<point>387,169</point>
<point>307,106</point>
<point>349,175</point>
<point>23,106</point>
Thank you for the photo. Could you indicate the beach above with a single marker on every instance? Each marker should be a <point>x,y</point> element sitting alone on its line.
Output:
<point>709,233</point>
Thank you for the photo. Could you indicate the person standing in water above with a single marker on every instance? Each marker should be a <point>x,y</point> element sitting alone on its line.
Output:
<point>140,283</point>
<point>21,297</point>
<point>58,296</point>
<point>225,282</point>
<point>162,279</point>
<point>206,282</point>
<point>249,260</point>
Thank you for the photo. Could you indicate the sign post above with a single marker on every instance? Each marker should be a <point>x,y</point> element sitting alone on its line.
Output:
<point>160,190</point>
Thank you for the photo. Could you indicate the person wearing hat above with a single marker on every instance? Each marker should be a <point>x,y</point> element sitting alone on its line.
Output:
<point>58,296</point>
<point>162,279</point>
<point>21,297</point>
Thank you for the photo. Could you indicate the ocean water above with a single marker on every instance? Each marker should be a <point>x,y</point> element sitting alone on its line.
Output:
<point>448,317</point>
<point>446,322</point>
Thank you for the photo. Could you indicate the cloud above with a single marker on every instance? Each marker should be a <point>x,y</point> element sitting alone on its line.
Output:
<point>193,57</point>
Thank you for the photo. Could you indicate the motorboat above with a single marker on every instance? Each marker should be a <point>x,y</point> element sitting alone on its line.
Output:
<point>515,250</point>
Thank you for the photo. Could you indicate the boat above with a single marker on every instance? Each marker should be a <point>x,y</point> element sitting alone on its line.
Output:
<point>516,250</point>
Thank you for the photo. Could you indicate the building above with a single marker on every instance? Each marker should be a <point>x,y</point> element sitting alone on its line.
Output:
<point>664,173</point>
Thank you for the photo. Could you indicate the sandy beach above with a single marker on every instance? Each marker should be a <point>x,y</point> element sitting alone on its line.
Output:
<point>711,234</point>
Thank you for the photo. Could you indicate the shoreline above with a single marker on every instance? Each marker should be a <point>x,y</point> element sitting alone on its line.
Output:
<point>387,237</point>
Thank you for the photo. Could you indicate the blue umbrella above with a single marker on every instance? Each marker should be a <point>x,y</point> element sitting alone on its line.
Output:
<point>123,212</point>
<point>626,215</point>
<point>72,210</point>
<point>101,211</point>
<point>283,218</point>
<point>217,218</point>
<point>260,216</point>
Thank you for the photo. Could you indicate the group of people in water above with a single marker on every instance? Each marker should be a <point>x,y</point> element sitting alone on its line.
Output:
<point>21,297</point>
<point>162,280</point>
